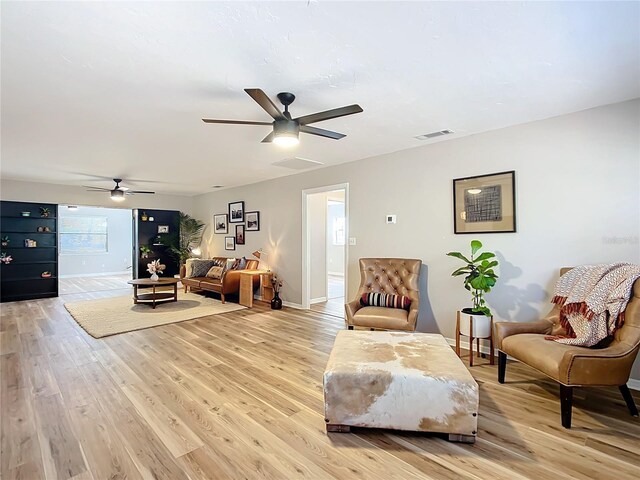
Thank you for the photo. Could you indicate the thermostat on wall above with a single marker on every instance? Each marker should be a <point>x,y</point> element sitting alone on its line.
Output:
<point>391,219</point>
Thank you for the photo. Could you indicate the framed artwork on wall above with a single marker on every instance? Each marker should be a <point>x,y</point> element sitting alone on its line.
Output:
<point>229,243</point>
<point>163,228</point>
<point>220,223</point>
<point>236,212</point>
<point>253,221</point>
<point>485,203</point>
<point>240,234</point>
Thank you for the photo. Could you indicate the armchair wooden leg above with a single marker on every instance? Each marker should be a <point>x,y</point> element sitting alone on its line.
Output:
<point>566,403</point>
<point>631,405</point>
<point>502,366</point>
<point>350,327</point>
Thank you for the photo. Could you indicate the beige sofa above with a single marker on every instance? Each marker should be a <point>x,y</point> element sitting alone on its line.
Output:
<point>228,284</point>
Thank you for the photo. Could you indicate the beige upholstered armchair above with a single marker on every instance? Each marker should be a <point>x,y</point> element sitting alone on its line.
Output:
<point>572,366</point>
<point>396,276</point>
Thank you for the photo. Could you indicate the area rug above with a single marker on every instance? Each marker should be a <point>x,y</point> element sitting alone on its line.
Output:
<point>109,316</point>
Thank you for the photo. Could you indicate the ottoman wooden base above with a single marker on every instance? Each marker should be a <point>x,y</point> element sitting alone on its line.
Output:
<point>401,381</point>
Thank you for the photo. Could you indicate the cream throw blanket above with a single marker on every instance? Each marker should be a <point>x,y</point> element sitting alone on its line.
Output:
<point>593,300</point>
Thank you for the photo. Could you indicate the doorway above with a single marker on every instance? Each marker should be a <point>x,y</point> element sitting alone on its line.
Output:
<point>94,249</point>
<point>325,252</point>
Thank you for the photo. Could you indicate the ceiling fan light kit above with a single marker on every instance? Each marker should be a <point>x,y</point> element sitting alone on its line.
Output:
<point>117,193</point>
<point>286,130</point>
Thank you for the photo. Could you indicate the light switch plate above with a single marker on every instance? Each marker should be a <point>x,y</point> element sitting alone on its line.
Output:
<point>352,240</point>
<point>391,218</point>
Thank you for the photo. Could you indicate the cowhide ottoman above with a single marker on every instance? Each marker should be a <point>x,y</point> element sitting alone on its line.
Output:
<point>402,381</point>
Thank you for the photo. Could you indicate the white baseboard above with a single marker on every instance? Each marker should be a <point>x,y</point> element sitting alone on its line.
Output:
<point>318,300</point>
<point>100,274</point>
<point>297,306</point>
<point>633,384</point>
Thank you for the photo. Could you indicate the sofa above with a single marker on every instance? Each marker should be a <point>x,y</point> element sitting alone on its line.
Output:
<point>229,283</point>
<point>573,366</point>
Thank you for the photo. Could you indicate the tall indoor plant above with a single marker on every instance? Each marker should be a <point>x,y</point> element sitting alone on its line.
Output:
<point>191,232</point>
<point>479,278</point>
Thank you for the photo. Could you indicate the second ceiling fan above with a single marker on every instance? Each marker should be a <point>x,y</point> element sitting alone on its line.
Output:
<point>286,129</point>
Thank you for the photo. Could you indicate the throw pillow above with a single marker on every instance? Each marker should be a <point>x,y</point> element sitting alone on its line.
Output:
<point>385,300</point>
<point>188,268</point>
<point>230,263</point>
<point>242,264</point>
<point>200,267</point>
<point>215,272</point>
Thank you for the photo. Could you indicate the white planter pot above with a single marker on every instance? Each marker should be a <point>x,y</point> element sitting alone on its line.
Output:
<point>481,325</point>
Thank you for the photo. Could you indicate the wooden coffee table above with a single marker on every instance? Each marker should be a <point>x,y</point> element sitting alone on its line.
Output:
<point>153,297</point>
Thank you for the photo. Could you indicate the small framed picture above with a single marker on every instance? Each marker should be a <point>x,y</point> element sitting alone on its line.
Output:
<point>229,243</point>
<point>485,203</point>
<point>220,223</point>
<point>253,221</point>
<point>163,228</point>
<point>239,234</point>
<point>236,212</point>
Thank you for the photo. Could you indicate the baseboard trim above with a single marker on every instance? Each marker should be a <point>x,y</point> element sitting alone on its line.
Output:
<point>633,384</point>
<point>318,300</point>
<point>297,306</point>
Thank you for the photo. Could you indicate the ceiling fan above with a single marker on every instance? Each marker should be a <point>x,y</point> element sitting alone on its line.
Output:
<point>286,129</point>
<point>118,192</point>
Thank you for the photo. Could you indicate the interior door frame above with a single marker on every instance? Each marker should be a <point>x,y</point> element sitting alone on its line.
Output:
<point>306,239</point>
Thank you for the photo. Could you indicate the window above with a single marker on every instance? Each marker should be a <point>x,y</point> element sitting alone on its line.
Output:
<point>338,231</point>
<point>81,235</point>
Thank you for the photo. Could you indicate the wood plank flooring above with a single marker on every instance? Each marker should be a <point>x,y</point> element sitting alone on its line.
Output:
<point>239,395</point>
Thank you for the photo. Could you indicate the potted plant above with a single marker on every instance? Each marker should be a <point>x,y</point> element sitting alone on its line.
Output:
<point>145,250</point>
<point>45,212</point>
<point>155,268</point>
<point>5,241</point>
<point>479,279</point>
<point>191,232</point>
<point>6,259</point>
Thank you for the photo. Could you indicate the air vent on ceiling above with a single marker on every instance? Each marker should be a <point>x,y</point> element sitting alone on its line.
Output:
<point>297,163</point>
<point>427,136</point>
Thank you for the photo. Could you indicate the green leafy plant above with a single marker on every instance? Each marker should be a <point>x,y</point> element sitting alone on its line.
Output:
<point>145,251</point>
<point>191,232</point>
<point>45,211</point>
<point>480,277</point>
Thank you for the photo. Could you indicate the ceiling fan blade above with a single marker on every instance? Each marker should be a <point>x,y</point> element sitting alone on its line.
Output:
<point>268,138</point>
<point>329,114</point>
<point>321,132</point>
<point>139,191</point>
<point>235,122</point>
<point>97,189</point>
<point>265,102</point>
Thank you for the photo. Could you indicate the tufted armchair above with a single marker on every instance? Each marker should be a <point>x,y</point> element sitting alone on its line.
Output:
<point>397,276</point>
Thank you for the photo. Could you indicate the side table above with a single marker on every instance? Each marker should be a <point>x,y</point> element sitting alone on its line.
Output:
<point>246,285</point>
<point>475,327</point>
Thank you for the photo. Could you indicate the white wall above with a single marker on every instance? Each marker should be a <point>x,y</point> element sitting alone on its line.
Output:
<point>118,257</point>
<point>64,194</point>
<point>578,201</point>
<point>335,253</point>
<point>317,205</point>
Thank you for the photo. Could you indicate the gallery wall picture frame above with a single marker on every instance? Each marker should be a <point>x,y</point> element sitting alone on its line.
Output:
<point>229,243</point>
<point>240,234</point>
<point>220,223</point>
<point>485,203</point>
<point>253,221</point>
<point>163,228</point>
<point>236,212</point>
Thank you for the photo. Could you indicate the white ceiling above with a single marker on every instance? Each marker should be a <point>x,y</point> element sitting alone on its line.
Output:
<point>95,90</point>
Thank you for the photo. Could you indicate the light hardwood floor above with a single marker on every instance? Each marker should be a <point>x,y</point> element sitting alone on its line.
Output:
<point>239,395</point>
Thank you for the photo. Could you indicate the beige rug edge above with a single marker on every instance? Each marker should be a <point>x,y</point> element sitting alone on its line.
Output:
<point>113,315</point>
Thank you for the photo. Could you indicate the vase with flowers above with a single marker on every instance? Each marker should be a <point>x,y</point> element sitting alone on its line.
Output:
<point>5,258</point>
<point>155,268</point>
<point>276,302</point>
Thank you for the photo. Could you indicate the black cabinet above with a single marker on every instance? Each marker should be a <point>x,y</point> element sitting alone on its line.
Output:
<point>156,231</point>
<point>29,236</point>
